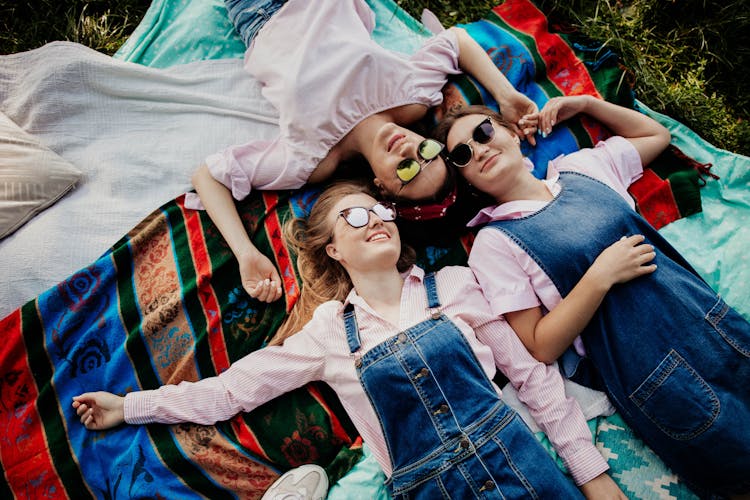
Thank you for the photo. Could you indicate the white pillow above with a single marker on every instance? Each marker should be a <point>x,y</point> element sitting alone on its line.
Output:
<point>32,177</point>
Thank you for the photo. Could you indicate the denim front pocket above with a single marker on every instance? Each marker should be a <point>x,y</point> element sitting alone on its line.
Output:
<point>731,326</point>
<point>677,399</point>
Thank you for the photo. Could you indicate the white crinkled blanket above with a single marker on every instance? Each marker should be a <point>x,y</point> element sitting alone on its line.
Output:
<point>137,133</point>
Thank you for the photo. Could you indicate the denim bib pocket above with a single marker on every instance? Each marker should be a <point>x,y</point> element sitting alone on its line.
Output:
<point>731,326</point>
<point>677,399</point>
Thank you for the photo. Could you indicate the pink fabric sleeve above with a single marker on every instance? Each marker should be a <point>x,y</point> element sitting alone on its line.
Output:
<point>433,62</point>
<point>614,162</point>
<point>251,381</point>
<point>496,265</point>
<point>265,165</point>
<point>540,388</point>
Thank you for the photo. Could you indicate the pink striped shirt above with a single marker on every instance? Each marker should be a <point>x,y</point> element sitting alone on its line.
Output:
<point>320,352</point>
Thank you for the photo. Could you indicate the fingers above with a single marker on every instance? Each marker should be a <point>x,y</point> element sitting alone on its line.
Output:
<point>266,290</point>
<point>528,127</point>
<point>643,252</point>
<point>547,120</point>
<point>85,413</point>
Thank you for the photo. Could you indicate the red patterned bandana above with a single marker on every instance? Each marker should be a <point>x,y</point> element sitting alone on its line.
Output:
<point>430,210</point>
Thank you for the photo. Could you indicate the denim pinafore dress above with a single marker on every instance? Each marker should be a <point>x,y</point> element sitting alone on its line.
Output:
<point>448,433</point>
<point>672,356</point>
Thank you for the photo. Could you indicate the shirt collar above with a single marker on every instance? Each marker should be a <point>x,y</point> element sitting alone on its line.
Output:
<point>413,273</point>
<point>518,208</point>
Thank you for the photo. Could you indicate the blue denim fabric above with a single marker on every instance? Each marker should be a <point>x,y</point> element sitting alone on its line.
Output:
<point>448,433</point>
<point>672,356</point>
<point>249,16</point>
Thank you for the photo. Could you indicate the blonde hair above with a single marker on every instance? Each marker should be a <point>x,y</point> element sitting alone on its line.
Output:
<point>323,278</point>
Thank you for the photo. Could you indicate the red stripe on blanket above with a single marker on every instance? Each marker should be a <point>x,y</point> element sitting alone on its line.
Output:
<point>655,199</point>
<point>280,250</point>
<point>247,438</point>
<point>209,302</point>
<point>467,240</point>
<point>25,455</point>
<point>336,427</point>
<point>211,308</point>
<point>564,69</point>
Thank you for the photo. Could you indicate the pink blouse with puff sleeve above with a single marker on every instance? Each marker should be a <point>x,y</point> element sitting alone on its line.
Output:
<point>324,79</point>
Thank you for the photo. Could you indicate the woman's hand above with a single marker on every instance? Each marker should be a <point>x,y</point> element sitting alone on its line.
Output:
<point>521,113</point>
<point>602,487</point>
<point>100,410</point>
<point>258,274</point>
<point>559,109</point>
<point>624,260</point>
<point>260,279</point>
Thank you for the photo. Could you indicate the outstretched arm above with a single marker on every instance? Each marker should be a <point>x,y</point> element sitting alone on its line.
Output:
<point>647,136</point>
<point>514,106</point>
<point>259,276</point>
<point>547,336</point>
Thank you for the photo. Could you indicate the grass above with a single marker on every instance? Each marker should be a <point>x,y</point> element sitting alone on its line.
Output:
<point>103,25</point>
<point>687,56</point>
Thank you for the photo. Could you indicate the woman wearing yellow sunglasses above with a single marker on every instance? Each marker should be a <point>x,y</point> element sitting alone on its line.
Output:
<point>340,96</point>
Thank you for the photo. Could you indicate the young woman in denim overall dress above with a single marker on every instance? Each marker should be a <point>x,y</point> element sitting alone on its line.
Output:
<point>448,435</point>
<point>411,357</point>
<point>672,356</point>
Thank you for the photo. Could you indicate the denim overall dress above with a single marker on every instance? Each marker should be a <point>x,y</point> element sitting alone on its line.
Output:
<point>448,433</point>
<point>672,356</point>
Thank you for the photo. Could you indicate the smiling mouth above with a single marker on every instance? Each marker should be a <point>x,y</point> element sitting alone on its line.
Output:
<point>490,161</point>
<point>394,140</point>
<point>378,237</point>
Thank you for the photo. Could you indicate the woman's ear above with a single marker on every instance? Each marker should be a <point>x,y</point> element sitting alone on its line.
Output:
<point>381,187</point>
<point>333,252</point>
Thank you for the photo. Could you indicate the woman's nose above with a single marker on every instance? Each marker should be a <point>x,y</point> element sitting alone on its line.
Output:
<point>480,150</point>
<point>409,149</point>
<point>375,220</point>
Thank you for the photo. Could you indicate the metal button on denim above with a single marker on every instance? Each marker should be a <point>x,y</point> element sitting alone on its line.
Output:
<point>402,338</point>
<point>436,315</point>
<point>443,408</point>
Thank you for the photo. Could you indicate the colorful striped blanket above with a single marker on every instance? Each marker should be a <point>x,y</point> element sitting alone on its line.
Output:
<point>543,65</point>
<point>165,304</point>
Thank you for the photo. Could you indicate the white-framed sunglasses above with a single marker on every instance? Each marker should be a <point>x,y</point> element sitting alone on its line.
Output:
<point>360,216</point>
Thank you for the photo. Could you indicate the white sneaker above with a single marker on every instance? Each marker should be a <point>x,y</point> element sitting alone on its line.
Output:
<point>306,482</point>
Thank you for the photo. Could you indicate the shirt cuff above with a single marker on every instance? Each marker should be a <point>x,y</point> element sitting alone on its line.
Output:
<point>586,464</point>
<point>136,407</point>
